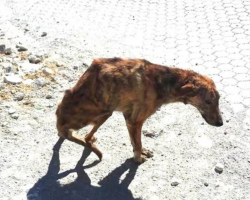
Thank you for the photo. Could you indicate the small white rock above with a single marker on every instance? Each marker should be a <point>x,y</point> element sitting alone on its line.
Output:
<point>34,59</point>
<point>219,167</point>
<point>11,111</point>
<point>15,116</point>
<point>28,82</point>
<point>29,68</point>
<point>40,82</point>
<point>2,85</point>
<point>19,96</point>
<point>13,79</point>
<point>7,67</point>
<point>48,71</point>
<point>60,64</point>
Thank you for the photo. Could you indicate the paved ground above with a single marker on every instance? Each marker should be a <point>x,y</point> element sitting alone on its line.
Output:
<point>209,36</point>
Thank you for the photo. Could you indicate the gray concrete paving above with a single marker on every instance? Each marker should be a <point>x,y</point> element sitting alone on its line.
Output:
<point>208,36</point>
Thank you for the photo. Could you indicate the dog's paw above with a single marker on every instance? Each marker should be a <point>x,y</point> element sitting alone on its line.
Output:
<point>140,160</point>
<point>147,153</point>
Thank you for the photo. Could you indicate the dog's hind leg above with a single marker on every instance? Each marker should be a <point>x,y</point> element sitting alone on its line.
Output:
<point>100,120</point>
<point>69,134</point>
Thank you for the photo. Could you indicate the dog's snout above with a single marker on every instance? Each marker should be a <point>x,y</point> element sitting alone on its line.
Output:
<point>219,123</point>
<point>213,121</point>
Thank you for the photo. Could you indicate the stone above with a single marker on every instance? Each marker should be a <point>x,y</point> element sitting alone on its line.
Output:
<point>28,82</point>
<point>29,68</point>
<point>43,34</point>
<point>50,105</point>
<point>11,111</point>
<point>8,51</point>
<point>19,96</point>
<point>16,60</point>
<point>175,182</point>
<point>2,85</point>
<point>40,82</point>
<point>2,48</point>
<point>48,71</point>
<point>219,167</point>
<point>48,96</point>
<point>34,59</point>
<point>7,67</point>
<point>60,64</point>
<point>21,48</point>
<point>13,79</point>
<point>15,116</point>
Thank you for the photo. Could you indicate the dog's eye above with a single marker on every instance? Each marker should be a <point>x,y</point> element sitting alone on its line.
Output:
<point>208,102</point>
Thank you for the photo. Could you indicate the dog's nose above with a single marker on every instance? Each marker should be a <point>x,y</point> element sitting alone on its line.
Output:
<point>219,123</point>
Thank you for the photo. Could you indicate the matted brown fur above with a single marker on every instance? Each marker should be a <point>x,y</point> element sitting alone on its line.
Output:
<point>137,88</point>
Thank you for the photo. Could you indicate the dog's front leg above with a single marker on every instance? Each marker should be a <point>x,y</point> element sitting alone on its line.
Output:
<point>134,130</point>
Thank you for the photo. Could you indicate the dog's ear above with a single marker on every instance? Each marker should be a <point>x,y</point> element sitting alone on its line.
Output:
<point>189,89</point>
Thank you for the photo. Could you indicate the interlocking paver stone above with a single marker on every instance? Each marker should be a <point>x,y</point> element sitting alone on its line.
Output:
<point>241,70</point>
<point>232,89</point>
<point>244,84</point>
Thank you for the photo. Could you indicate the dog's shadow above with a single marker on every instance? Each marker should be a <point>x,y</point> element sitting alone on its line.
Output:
<point>48,187</point>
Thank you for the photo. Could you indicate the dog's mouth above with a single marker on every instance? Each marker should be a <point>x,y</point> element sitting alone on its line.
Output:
<point>216,123</point>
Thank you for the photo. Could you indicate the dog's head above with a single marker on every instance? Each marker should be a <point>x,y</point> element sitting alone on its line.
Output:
<point>200,91</point>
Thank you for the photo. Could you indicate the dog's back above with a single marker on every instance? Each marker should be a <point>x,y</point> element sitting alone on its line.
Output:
<point>118,84</point>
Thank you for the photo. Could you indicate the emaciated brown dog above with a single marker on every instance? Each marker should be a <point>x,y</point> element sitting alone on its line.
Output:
<point>137,88</point>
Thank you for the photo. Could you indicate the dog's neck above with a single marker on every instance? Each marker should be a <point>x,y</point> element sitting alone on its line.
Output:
<point>169,84</point>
